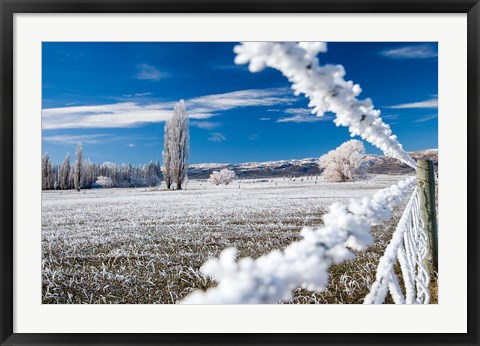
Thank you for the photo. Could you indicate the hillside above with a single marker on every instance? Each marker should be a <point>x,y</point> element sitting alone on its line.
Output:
<point>378,164</point>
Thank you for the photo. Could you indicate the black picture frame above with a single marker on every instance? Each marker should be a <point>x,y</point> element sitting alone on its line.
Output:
<point>9,7</point>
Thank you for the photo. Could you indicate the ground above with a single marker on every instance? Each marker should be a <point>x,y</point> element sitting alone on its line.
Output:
<point>146,245</point>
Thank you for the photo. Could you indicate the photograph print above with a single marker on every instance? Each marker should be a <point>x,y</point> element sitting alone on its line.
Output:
<point>239,173</point>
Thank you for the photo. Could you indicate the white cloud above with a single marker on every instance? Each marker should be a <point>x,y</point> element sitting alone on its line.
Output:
<point>74,139</point>
<point>149,72</point>
<point>217,137</point>
<point>227,67</point>
<point>301,119</point>
<point>136,95</point>
<point>130,114</point>
<point>128,141</point>
<point>390,116</point>
<point>243,98</point>
<point>206,125</point>
<point>125,114</point>
<point>432,103</point>
<point>298,111</point>
<point>426,118</point>
<point>302,115</point>
<point>264,119</point>
<point>412,52</point>
<point>253,137</point>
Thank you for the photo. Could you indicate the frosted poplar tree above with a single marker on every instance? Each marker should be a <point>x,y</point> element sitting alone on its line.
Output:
<point>45,171</point>
<point>50,175</point>
<point>78,166</point>
<point>178,145</point>
<point>346,163</point>
<point>167,156</point>
<point>89,176</point>
<point>64,174</point>
<point>71,176</point>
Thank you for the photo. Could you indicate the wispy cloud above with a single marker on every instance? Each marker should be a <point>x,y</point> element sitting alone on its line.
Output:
<point>74,139</point>
<point>390,116</point>
<point>243,98</point>
<point>130,114</point>
<point>412,52</point>
<point>206,125</point>
<point>264,119</point>
<point>302,115</point>
<point>124,114</point>
<point>253,136</point>
<point>98,138</point>
<point>149,72</point>
<point>136,95</point>
<point>426,118</point>
<point>432,103</point>
<point>297,111</point>
<point>300,119</point>
<point>227,67</point>
<point>217,137</point>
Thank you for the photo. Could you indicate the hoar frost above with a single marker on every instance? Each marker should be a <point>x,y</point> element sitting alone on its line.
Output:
<point>272,277</point>
<point>346,163</point>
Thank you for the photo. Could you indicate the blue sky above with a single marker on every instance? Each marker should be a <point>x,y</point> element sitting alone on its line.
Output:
<point>115,97</point>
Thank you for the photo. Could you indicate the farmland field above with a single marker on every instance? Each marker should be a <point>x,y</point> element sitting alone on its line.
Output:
<point>146,245</point>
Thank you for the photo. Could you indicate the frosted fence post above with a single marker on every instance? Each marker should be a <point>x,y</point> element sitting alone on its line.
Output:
<point>426,187</point>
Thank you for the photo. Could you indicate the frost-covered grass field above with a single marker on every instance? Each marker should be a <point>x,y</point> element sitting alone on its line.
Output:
<point>147,245</point>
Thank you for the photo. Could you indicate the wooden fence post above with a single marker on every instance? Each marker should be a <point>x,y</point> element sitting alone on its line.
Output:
<point>426,188</point>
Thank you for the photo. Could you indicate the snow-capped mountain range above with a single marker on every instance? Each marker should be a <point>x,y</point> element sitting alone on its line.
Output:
<point>378,164</point>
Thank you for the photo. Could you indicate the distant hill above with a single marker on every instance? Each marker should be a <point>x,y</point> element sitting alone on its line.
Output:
<point>378,164</point>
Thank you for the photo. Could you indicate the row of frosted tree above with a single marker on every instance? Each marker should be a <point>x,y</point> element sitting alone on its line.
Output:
<point>346,163</point>
<point>86,174</point>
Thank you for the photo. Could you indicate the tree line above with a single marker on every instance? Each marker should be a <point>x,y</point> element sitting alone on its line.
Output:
<point>86,174</point>
<point>346,163</point>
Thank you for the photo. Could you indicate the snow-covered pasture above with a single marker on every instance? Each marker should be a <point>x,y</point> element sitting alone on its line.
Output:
<point>146,245</point>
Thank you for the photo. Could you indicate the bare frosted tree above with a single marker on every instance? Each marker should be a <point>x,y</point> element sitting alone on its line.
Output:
<point>346,163</point>
<point>106,182</point>
<point>78,166</point>
<point>225,176</point>
<point>64,174</point>
<point>48,176</point>
<point>167,156</point>
<point>89,176</point>
<point>215,178</point>
<point>71,176</point>
<point>177,145</point>
<point>51,176</point>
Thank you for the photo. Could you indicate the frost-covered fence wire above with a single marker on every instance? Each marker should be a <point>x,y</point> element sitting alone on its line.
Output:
<point>409,247</point>
<point>305,263</point>
<point>326,88</point>
<point>272,277</point>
